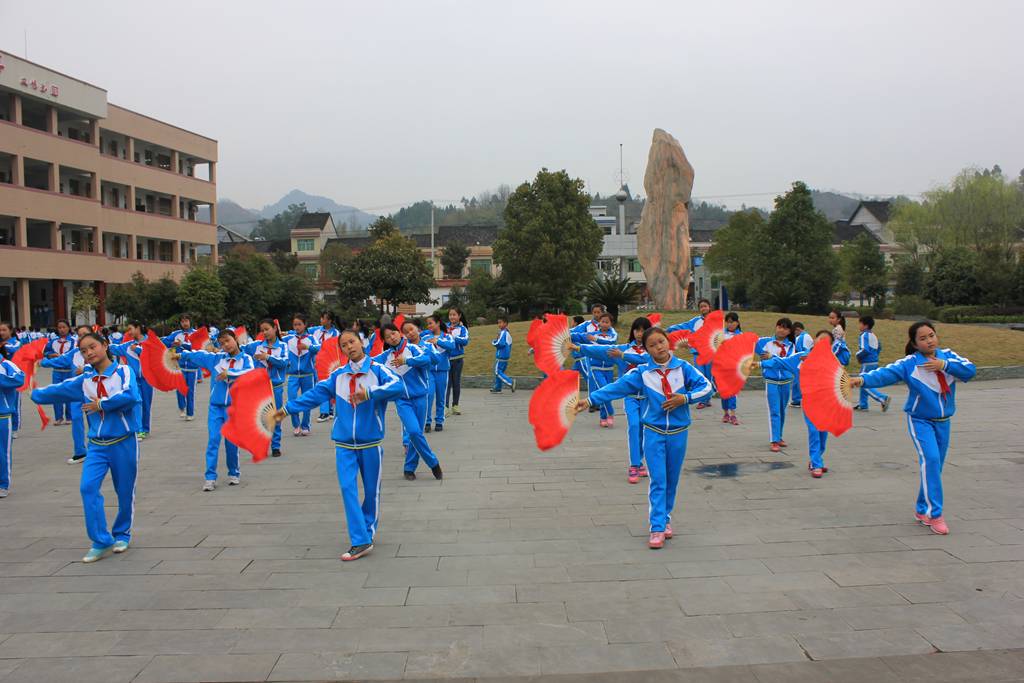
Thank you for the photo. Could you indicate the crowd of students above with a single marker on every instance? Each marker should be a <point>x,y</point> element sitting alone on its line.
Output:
<point>99,389</point>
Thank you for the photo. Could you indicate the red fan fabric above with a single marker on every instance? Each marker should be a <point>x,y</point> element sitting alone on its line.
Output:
<point>709,337</point>
<point>399,321</point>
<point>26,358</point>
<point>531,334</point>
<point>250,423</point>
<point>377,347</point>
<point>242,334</point>
<point>159,369</point>
<point>676,339</point>
<point>553,407</point>
<point>552,344</point>
<point>655,319</point>
<point>199,339</point>
<point>329,359</point>
<point>259,337</point>
<point>731,364</point>
<point>827,401</point>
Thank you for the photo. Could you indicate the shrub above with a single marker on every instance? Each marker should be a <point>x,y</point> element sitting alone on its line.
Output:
<point>912,304</point>
<point>964,314</point>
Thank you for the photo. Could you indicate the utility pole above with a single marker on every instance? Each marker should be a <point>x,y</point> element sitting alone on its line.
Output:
<point>433,264</point>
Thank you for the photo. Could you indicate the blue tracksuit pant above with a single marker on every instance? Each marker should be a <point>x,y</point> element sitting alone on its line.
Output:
<point>597,379</point>
<point>216,418</point>
<point>706,371</point>
<point>796,396</point>
<point>729,403</point>
<point>299,384</point>
<point>353,464</point>
<point>778,398</point>
<point>187,402</point>
<point>121,459</point>
<point>144,411</point>
<point>634,430</point>
<point>873,393</point>
<point>62,411</point>
<point>275,441</point>
<point>665,454</point>
<point>815,444</point>
<point>6,444</point>
<point>931,441</point>
<point>413,413</point>
<point>16,416</point>
<point>500,366</point>
<point>77,428</point>
<point>435,396</point>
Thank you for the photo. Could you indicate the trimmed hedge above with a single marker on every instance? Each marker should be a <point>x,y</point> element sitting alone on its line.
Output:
<point>974,314</point>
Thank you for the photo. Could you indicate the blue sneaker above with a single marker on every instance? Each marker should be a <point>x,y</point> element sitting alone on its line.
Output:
<point>120,546</point>
<point>97,554</point>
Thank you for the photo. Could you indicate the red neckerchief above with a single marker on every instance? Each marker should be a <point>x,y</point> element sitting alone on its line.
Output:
<point>231,364</point>
<point>782,348</point>
<point>101,391</point>
<point>398,350</point>
<point>666,388</point>
<point>298,342</point>
<point>944,389</point>
<point>353,383</point>
<point>62,342</point>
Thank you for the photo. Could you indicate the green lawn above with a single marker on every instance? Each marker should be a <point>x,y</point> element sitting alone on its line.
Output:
<point>982,345</point>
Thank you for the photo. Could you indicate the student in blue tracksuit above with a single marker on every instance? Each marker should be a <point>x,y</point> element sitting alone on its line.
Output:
<point>777,383</point>
<point>692,325</point>
<point>11,378</point>
<point>627,357</point>
<point>225,367</point>
<point>801,342</point>
<point>867,356</point>
<point>9,344</point>
<point>599,372</point>
<point>72,363</point>
<point>179,340</point>
<point>931,374</point>
<point>412,364</point>
<point>130,349</point>
<point>60,344</point>
<point>440,343</point>
<point>502,352</point>
<point>361,389</point>
<point>460,336</point>
<point>302,350</point>
<point>327,329</point>
<point>732,328</point>
<point>272,354</point>
<point>108,394</point>
<point>581,329</point>
<point>669,384</point>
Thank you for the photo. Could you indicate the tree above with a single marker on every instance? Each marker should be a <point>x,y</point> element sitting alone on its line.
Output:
<point>252,285</point>
<point>84,301</point>
<point>284,261</point>
<point>280,226</point>
<point>735,251</point>
<point>383,227</point>
<point>162,299</point>
<point>952,280</point>
<point>294,295</point>
<point>550,238</point>
<point>909,278</point>
<point>202,295</point>
<point>613,291</point>
<point>332,257</point>
<point>863,267</point>
<point>391,270</point>
<point>453,259</point>
<point>482,294</point>
<point>128,300</point>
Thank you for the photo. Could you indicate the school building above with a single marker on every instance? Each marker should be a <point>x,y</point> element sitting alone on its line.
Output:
<point>91,193</point>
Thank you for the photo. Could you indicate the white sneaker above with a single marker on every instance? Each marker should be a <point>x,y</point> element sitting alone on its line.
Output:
<point>296,432</point>
<point>189,418</point>
<point>3,493</point>
<point>14,435</point>
<point>234,481</point>
<point>305,432</point>
<point>182,414</point>
<point>209,485</point>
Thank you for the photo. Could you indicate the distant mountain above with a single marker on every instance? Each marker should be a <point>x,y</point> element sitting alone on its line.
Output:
<point>232,215</point>
<point>835,206</point>
<point>342,214</point>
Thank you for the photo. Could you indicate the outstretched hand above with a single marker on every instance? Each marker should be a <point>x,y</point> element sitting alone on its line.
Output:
<point>674,401</point>
<point>584,404</point>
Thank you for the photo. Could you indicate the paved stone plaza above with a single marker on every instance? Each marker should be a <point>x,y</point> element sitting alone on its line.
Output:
<point>525,564</point>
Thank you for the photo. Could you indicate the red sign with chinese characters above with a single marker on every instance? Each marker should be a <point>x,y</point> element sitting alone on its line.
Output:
<point>41,87</point>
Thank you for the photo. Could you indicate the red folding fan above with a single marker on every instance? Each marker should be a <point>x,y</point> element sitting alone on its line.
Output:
<point>26,359</point>
<point>655,319</point>
<point>399,321</point>
<point>377,347</point>
<point>159,367</point>
<point>553,343</point>
<point>329,359</point>
<point>709,337</point>
<point>242,334</point>
<point>531,334</point>
<point>250,424</point>
<point>553,407</point>
<point>199,339</point>
<point>676,339</point>
<point>732,363</point>
<point>827,397</point>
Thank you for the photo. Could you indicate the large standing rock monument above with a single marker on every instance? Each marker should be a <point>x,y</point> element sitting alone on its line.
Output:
<point>663,237</point>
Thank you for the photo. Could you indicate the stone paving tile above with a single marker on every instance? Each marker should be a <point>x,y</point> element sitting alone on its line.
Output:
<point>72,644</point>
<point>340,666</point>
<point>957,666</point>
<point>175,642</point>
<point>730,651</point>
<point>222,668</point>
<point>78,670</point>
<point>893,641</point>
<point>279,617</point>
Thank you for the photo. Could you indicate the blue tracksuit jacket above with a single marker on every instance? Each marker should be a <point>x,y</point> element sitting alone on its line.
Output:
<point>413,372</point>
<point>925,401</point>
<point>502,345</point>
<point>276,363</point>
<point>216,363</point>
<point>301,358</point>
<point>459,335</point>
<point>683,378</point>
<point>117,418</point>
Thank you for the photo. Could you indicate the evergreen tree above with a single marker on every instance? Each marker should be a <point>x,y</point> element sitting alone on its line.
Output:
<point>202,295</point>
<point>453,259</point>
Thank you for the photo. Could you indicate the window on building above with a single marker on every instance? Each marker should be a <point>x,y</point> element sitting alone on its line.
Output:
<point>634,266</point>
<point>310,270</point>
<point>305,245</point>
<point>483,264</point>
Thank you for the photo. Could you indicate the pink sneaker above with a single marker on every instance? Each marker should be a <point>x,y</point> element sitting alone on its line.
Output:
<point>643,470</point>
<point>817,472</point>
<point>668,531</point>
<point>923,519</point>
<point>657,540</point>
<point>782,444</point>
<point>634,475</point>
<point>938,526</point>
<point>732,419</point>
<point>775,447</point>
<point>702,406</point>
<point>725,419</point>
<point>305,432</point>
<point>604,423</point>
<point>611,422</point>
<point>296,432</point>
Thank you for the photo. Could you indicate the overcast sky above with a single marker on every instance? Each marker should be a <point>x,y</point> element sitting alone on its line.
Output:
<point>381,104</point>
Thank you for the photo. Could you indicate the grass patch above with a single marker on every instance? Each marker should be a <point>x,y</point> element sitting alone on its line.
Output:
<point>982,345</point>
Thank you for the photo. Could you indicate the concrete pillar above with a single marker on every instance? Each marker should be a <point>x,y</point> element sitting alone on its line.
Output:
<point>23,301</point>
<point>214,255</point>
<point>16,107</point>
<point>131,247</point>
<point>175,207</point>
<point>94,132</point>
<point>94,186</point>
<point>60,306</point>
<point>213,173</point>
<point>51,120</point>
<point>213,213</point>
<point>174,161</point>
<point>54,170</point>
<point>55,235</point>
<point>97,240</point>
<point>18,170</point>
<point>131,153</point>
<point>21,231</point>
<point>101,309</point>
<point>130,198</point>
